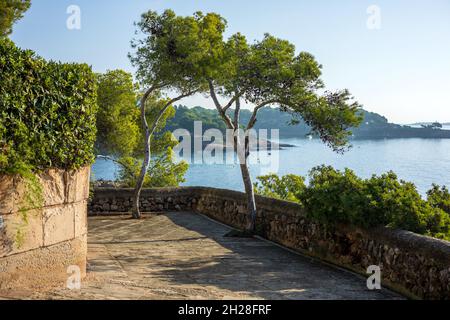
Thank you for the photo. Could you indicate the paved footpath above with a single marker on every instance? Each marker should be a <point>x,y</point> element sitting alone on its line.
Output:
<point>186,256</point>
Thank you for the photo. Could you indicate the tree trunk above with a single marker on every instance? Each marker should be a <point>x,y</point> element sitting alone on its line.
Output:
<point>249,191</point>
<point>148,134</point>
<point>251,203</point>
<point>140,183</point>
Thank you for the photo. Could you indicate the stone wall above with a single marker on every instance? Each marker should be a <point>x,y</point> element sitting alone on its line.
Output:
<point>38,245</point>
<point>414,265</point>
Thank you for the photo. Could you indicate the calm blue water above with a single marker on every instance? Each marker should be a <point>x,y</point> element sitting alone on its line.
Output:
<point>422,161</point>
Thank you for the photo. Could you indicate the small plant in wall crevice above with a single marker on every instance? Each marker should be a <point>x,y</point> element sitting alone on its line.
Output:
<point>31,198</point>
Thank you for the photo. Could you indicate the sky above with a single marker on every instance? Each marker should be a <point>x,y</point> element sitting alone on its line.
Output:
<point>393,55</point>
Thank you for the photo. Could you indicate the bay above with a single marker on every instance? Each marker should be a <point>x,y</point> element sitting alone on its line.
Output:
<point>421,161</point>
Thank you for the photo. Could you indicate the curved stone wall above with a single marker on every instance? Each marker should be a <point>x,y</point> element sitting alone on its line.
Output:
<point>414,265</point>
<point>38,246</point>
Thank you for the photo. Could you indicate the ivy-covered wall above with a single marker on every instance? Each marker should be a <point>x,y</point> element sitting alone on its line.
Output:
<point>47,112</point>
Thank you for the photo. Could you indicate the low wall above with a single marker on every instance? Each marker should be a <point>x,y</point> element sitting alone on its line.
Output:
<point>414,265</point>
<point>37,246</point>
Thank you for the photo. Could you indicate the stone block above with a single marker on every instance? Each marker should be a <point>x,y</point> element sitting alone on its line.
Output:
<point>39,248</point>
<point>59,224</point>
<point>8,195</point>
<point>21,232</point>
<point>80,219</point>
<point>53,187</point>
<point>43,267</point>
<point>78,185</point>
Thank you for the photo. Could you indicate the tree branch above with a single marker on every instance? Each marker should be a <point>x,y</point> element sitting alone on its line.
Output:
<point>115,161</point>
<point>168,104</point>
<point>252,121</point>
<point>214,96</point>
<point>220,109</point>
<point>237,113</point>
<point>230,103</point>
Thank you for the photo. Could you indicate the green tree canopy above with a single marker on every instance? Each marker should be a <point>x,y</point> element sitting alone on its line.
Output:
<point>289,187</point>
<point>267,73</point>
<point>270,73</point>
<point>188,55</point>
<point>10,12</point>
<point>171,56</point>
<point>121,138</point>
<point>173,52</point>
<point>119,132</point>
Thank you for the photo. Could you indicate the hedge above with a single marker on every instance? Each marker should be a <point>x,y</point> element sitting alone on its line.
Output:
<point>47,112</point>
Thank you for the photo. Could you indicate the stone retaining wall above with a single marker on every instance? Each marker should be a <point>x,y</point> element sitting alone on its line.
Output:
<point>414,265</point>
<point>37,246</point>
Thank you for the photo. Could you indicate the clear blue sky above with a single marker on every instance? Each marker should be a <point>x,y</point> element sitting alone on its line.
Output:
<point>401,70</point>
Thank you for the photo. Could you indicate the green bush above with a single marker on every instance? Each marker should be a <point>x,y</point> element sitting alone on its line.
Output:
<point>334,196</point>
<point>394,203</point>
<point>47,112</point>
<point>288,187</point>
<point>439,197</point>
<point>439,223</point>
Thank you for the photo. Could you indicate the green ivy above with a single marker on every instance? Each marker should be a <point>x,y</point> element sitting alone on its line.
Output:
<point>47,112</point>
<point>33,197</point>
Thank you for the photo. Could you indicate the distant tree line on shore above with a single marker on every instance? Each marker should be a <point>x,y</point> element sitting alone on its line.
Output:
<point>374,126</point>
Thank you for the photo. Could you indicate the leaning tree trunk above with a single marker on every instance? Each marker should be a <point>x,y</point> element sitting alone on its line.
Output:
<point>148,136</point>
<point>145,165</point>
<point>251,203</point>
<point>140,183</point>
<point>248,185</point>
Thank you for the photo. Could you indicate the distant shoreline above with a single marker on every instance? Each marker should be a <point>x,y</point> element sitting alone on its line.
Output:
<point>373,126</point>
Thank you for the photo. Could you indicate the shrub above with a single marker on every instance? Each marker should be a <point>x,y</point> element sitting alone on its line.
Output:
<point>288,187</point>
<point>47,112</point>
<point>334,196</point>
<point>439,222</point>
<point>393,202</point>
<point>439,197</point>
<point>163,171</point>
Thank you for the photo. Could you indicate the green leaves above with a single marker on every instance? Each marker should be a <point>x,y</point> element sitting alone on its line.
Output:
<point>330,116</point>
<point>120,133</point>
<point>163,171</point>
<point>48,112</point>
<point>175,52</point>
<point>181,53</point>
<point>118,124</point>
<point>342,197</point>
<point>288,187</point>
<point>439,197</point>
<point>334,196</point>
<point>10,12</point>
<point>269,73</point>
